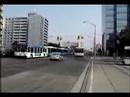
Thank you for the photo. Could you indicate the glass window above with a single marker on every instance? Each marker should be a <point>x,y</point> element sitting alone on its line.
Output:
<point>45,50</point>
<point>35,50</point>
<point>28,49</point>
<point>40,50</point>
<point>31,49</point>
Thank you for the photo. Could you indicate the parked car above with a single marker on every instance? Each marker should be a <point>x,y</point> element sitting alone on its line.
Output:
<point>56,56</point>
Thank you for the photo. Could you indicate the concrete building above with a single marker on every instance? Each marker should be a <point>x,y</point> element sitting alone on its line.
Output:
<point>8,34</point>
<point>1,27</point>
<point>69,44</point>
<point>26,31</point>
<point>114,19</point>
<point>20,30</point>
<point>37,30</point>
<point>15,31</point>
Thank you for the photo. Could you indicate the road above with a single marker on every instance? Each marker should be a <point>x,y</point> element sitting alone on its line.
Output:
<point>70,75</point>
<point>41,74</point>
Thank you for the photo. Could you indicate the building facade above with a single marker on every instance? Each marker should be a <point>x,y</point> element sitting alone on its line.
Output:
<point>114,19</point>
<point>1,27</point>
<point>8,34</point>
<point>20,30</point>
<point>25,31</point>
<point>37,30</point>
<point>69,44</point>
<point>15,31</point>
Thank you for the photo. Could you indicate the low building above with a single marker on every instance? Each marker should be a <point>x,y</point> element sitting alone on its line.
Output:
<point>69,44</point>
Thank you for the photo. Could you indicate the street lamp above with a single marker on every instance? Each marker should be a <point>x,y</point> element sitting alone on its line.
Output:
<point>94,50</point>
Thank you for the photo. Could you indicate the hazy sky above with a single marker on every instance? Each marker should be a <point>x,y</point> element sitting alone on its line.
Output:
<point>64,20</point>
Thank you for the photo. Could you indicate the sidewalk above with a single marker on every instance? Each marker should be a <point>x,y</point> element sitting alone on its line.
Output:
<point>106,77</point>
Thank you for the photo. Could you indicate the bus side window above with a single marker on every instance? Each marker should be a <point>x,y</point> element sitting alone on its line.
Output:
<point>40,50</point>
<point>31,50</point>
<point>44,50</point>
<point>35,50</point>
<point>28,50</point>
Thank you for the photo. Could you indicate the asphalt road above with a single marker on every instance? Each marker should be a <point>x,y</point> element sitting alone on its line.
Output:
<point>41,74</point>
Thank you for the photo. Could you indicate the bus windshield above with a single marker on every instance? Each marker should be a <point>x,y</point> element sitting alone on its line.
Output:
<point>79,50</point>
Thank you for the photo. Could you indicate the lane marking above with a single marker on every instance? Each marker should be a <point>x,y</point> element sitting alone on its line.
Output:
<point>91,79</point>
<point>78,85</point>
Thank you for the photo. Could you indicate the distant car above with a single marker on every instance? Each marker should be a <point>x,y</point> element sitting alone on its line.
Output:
<point>56,56</point>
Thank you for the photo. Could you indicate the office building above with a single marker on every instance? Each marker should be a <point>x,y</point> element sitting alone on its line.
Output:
<point>1,27</point>
<point>25,31</point>
<point>8,34</point>
<point>114,19</point>
<point>20,30</point>
<point>15,31</point>
<point>37,30</point>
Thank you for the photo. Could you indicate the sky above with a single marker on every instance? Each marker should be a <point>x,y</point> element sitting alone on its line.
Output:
<point>65,20</point>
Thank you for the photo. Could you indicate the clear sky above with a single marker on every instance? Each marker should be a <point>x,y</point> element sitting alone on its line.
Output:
<point>64,20</point>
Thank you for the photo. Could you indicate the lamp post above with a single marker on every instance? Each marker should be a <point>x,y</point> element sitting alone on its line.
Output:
<point>94,49</point>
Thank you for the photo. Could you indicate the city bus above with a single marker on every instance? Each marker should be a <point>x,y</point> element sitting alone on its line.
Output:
<point>79,52</point>
<point>31,52</point>
<point>52,50</point>
<point>126,56</point>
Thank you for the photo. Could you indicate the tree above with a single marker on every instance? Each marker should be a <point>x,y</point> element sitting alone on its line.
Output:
<point>124,40</point>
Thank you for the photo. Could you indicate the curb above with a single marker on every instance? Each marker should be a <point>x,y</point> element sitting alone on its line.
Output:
<point>77,87</point>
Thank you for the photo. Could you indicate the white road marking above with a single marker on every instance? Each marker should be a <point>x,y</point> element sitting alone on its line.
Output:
<point>78,85</point>
<point>91,79</point>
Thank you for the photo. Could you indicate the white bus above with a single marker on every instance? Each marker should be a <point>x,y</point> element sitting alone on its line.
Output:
<point>79,52</point>
<point>126,57</point>
<point>52,50</point>
<point>32,52</point>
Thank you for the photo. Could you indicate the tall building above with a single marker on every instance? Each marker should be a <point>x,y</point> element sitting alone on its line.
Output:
<point>1,26</point>
<point>8,34</point>
<point>37,30</point>
<point>20,30</point>
<point>15,31</point>
<point>26,31</point>
<point>114,19</point>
